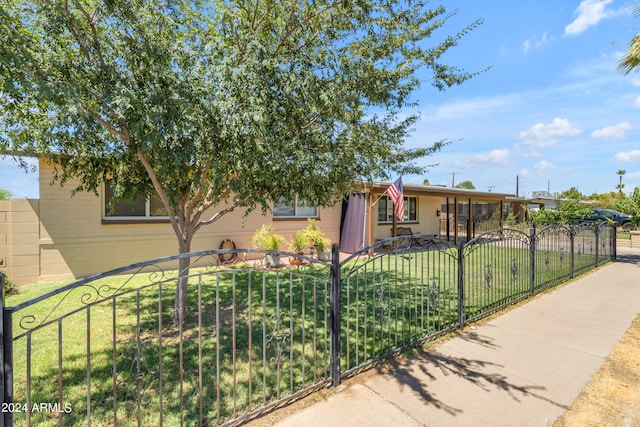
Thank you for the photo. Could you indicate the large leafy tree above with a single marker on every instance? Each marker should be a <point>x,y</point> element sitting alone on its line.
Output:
<point>466,185</point>
<point>219,105</point>
<point>573,194</point>
<point>5,194</point>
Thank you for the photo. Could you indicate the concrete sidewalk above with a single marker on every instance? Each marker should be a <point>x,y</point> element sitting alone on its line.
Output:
<point>523,368</point>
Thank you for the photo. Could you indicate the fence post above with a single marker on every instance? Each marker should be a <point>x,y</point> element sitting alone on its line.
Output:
<point>334,302</point>
<point>598,228</point>
<point>2,371</point>
<point>6,358</point>
<point>532,259</point>
<point>461,319</point>
<point>615,243</point>
<point>572,233</point>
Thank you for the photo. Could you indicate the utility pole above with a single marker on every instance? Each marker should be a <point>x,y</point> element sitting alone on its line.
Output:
<point>517,184</point>
<point>453,179</point>
<point>491,187</point>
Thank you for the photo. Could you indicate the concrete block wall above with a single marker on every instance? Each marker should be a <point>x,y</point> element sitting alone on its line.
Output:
<point>20,240</point>
<point>633,242</point>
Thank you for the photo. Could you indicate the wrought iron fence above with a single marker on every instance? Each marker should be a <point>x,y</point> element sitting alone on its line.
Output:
<point>394,294</point>
<point>113,350</point>
<point>108,350</point>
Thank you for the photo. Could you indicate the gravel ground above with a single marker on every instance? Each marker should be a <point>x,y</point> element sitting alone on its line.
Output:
<point>612,395</point>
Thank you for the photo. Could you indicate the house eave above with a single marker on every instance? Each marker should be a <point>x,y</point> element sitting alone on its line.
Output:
<point>438,191</point>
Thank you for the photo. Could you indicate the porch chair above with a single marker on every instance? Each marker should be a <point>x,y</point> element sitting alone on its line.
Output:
<point>406,231</point>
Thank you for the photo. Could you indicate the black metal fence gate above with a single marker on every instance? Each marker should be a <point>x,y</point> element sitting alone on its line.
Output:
<point>107,350</point>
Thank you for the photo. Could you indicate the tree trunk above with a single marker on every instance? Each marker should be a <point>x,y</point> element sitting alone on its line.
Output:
<point>180,306</point>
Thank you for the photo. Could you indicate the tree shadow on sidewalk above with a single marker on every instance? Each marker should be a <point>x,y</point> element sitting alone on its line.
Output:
<point>420,373</point>
<point>628,256</point>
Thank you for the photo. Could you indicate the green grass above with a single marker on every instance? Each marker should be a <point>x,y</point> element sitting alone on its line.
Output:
<point>623,235</point>
<point>226,332</point>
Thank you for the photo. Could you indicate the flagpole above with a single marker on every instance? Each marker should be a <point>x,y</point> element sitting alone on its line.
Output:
<point>378,199</point>
<point>394,226</point>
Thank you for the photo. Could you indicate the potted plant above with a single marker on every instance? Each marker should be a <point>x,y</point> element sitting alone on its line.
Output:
<point>324,249</point>
<point>299,243</point>
<point>266,240</point>
<point>316,239</point>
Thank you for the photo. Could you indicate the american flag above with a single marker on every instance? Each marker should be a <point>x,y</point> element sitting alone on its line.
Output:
<point>397,197</point>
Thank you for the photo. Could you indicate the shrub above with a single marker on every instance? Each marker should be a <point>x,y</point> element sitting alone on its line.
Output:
<point>266,239</point>
<point>299,242</point>
<point>630,206</point>
<point>315,237</point>
<point>9,286</point>
<point>567,212</point>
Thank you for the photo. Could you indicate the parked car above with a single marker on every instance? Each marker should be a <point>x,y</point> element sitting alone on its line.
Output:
<point>617,218</point>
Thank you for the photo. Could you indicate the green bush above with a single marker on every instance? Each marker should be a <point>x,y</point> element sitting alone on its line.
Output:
<point>266,239</point>
<point>315,237</point>
<point>310,237</point>
<point>567,212</point>
<point>299,242</point>
<point>9,286</point>
<point>630,206</point>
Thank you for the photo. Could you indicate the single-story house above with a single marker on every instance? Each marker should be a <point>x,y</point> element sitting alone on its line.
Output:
<point>60,236</point>
<point>449,213</point>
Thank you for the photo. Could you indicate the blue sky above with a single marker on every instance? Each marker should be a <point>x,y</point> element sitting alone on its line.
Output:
<point>552,111</point>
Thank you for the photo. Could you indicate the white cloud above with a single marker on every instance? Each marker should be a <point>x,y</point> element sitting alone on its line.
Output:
<point>628,156</point>
<point>488,159</point>
<point>636,102</point>
<point>538,169</point>
<point>590,13</point>
<point>545,135</point>
<point>542,165</point>
<point>470,108</point>
<point>612,132</point>
<point>535,42</point>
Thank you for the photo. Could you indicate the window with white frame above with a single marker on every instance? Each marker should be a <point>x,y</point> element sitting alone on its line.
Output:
<point>150,207</point>
<point>385,209</point>
<point>296,208</point>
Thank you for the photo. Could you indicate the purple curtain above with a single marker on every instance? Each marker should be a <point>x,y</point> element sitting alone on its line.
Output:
<point>352,235</point>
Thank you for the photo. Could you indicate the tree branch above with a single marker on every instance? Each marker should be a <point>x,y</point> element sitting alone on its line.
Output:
<point>74,30</point>
<point>161,192</point>
<point>94,32</point>
<point>203,178</point>
<point>209,202</point>
<point>23,41</point>
<point>223,212</point>
<point>124,135</point>
<point>288,33</point>
<point>236,204</point>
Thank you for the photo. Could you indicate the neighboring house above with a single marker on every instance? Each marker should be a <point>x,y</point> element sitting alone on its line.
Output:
<point>60,237</point>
